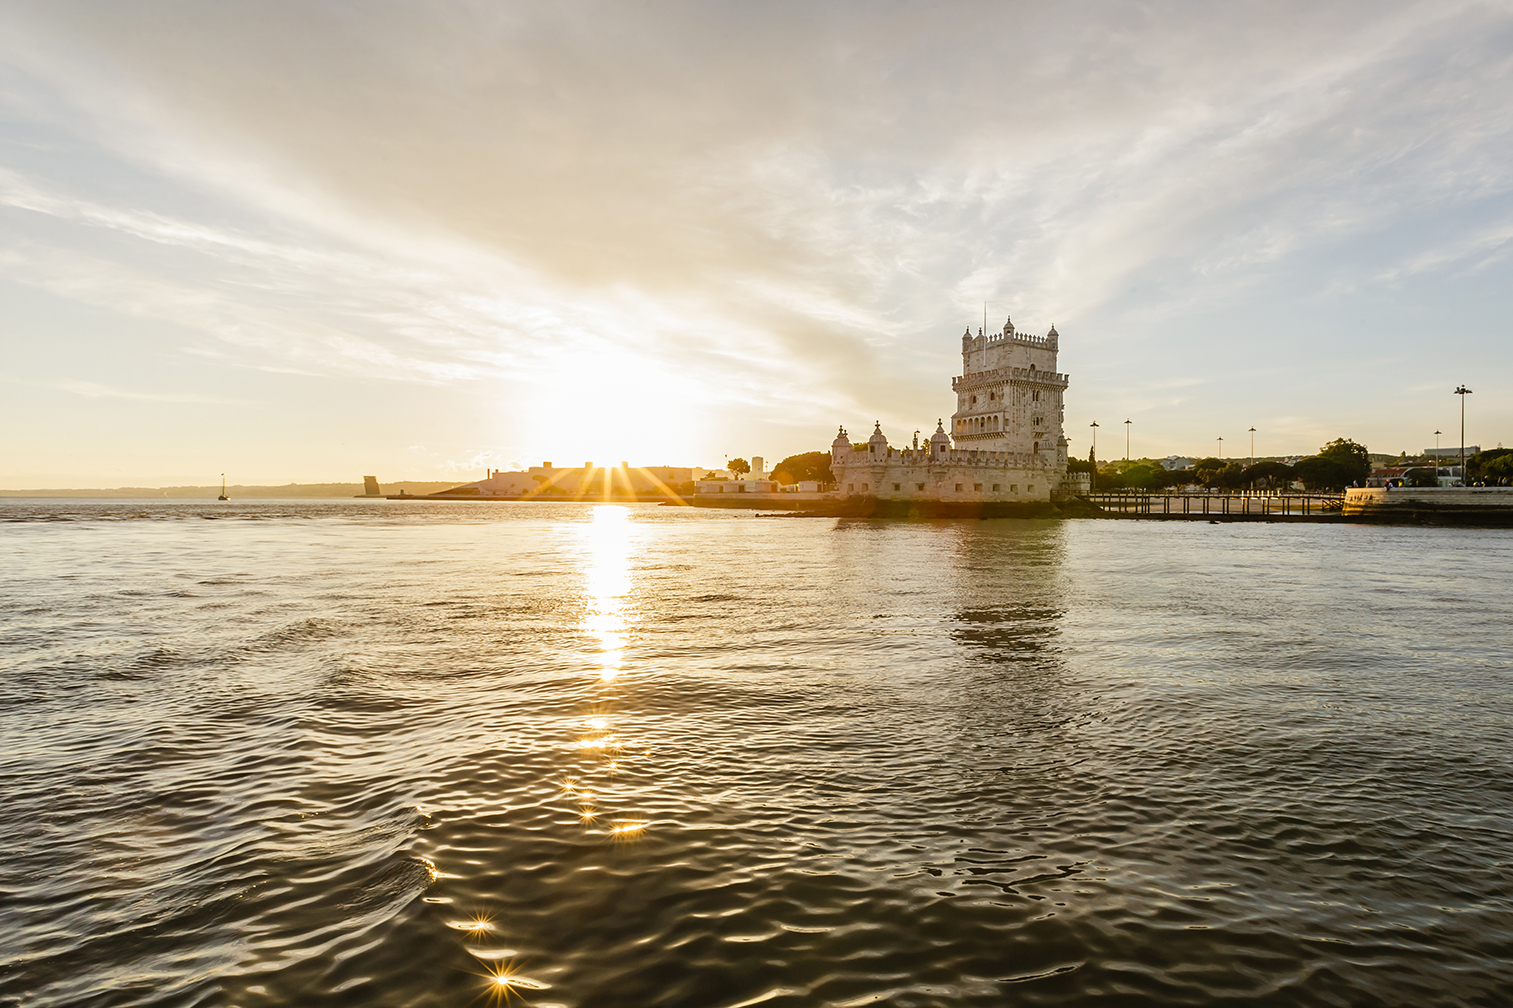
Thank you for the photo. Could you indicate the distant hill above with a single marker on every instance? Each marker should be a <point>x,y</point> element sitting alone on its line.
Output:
<point>238,491</point>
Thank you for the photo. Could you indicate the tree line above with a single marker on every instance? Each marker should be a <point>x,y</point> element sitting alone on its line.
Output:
<point>1339,464</point>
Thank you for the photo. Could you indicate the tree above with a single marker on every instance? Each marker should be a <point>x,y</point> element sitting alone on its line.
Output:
<point>1273,474</point>
<point>1143,477</point>
<point>813,465</point>
<point>1078,465</point>
<point>738,466</point>
<point>1320,473</point>
<point>1351,457</point>
<point>1208,471</point>
<point>1484,465</point>
<point>1499,470</point>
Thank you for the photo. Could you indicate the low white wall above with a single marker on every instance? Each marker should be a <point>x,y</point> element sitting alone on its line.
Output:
<point>1362,500</point>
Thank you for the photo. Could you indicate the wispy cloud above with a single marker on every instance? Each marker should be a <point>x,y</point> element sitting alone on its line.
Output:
<point>755,218</point>
<point>93,390</point>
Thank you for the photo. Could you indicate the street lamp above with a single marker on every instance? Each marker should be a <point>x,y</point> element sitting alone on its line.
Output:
<point>1221,447</point>
<point>1252,447</point>
<point>1126,438</point>
<point>1462,392</point>
<point>1092,477</point>
<point>1436,456</point>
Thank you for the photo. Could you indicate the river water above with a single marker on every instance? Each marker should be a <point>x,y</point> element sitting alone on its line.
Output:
<point>386,753</point>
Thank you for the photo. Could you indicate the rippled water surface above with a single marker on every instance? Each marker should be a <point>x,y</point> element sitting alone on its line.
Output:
<point>387,753</point>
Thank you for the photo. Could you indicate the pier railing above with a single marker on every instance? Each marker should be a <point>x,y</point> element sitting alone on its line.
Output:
<point>1238,502</point>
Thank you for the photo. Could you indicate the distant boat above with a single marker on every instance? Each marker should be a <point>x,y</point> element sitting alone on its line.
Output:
<point>223,488</point>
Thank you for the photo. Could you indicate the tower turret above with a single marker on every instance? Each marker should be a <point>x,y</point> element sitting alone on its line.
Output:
<point>840,448</point>
<point>877,444</point>
<point>940,441</point>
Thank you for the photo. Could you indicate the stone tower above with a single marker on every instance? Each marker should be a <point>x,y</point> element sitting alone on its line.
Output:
<point>1009,395</point>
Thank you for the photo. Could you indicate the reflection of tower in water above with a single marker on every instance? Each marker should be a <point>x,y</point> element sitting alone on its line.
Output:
<point>1010,596</point>
<point>1009,621</point>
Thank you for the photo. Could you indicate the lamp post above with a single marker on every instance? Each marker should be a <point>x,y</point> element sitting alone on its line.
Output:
<point>1221,447</point>
<point>1462,392</point>
<point>1252,447</point>
<point>1092,477</point>
<point>1126,438</point>
<point>1436,456</point>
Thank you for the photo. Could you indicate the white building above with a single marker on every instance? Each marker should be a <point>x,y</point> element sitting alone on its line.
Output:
<point>1005,443</point>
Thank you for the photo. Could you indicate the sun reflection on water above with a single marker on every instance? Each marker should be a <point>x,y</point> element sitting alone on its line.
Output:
<point>607,586</point>
<point>608,608</point>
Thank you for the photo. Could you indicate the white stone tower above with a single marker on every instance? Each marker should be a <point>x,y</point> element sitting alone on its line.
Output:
<point>1009,395</point>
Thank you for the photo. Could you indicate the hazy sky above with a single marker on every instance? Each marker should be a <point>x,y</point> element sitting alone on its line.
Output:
<point>311,241</point>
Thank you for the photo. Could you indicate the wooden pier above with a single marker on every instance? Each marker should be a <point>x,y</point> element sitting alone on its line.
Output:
<point>1238,504</point>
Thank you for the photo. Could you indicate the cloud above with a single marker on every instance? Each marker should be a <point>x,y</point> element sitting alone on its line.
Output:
<point>93,390</point>
<point>771,214</point>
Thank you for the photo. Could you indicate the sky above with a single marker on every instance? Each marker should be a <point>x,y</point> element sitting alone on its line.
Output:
<point>307,242</point>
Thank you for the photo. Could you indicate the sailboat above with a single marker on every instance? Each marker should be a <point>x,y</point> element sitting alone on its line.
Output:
<point>223,488</point>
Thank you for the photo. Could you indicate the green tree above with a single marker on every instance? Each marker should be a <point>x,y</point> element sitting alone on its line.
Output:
<point>813,465</point>
<point>1143,477</point>
<point>1208,471</point>
<point>1499,470</point>
<point>1351,457</point>
<point>1481,465</point>
<point>1231,477</point>
<point>1275,475</point>
<point>1320,473</point>
<point>738,466</point>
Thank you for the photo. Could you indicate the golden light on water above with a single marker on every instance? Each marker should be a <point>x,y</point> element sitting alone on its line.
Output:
<point>607,586</point>
<point>504,982</point>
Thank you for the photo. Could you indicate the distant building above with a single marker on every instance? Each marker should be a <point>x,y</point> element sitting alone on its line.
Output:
<point>548,481</point>
<point>1176,462</point>
<point>1456,451</point>
<point>737,485</point>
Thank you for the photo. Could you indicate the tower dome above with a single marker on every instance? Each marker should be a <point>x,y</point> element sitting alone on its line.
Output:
<point>841,439</point>
<point>877,444</point>
<point>940,441</point>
